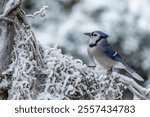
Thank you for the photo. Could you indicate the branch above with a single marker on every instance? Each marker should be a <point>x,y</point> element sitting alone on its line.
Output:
<point>134,87</point>
<point>41,12</point>
<point>10,11</point>
<point>11,6</point>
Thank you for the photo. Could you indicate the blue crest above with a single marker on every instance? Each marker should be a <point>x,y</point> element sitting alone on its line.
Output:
<point>102,34</point>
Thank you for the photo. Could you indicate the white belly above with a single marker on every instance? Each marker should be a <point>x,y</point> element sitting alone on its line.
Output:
<point>99,58</point>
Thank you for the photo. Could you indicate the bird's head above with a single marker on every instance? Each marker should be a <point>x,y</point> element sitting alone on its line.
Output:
<point>96,37</point>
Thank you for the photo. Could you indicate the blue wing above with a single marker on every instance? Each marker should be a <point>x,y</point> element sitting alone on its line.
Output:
<point>111,53</point>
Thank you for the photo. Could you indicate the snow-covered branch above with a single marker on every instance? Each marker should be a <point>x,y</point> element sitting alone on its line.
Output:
<point>135,88</point>
<point>11,6</point>
<point>41,12</point>
<point>8,11</point>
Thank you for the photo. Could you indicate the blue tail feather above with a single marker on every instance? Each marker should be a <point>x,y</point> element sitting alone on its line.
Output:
<point>132,72</point>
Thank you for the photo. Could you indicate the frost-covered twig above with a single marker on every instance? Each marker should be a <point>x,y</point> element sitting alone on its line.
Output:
<point>134,87</point>
<point>10,10</point>
<point>22,19</point>
<point>136,93</point>
<point>11,6</point>
<point>41,12</point>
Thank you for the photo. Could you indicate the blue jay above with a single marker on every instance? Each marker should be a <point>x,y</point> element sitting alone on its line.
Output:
<point>103,54</point>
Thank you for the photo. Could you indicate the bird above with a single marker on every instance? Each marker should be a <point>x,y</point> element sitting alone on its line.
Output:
<point>104,55</point>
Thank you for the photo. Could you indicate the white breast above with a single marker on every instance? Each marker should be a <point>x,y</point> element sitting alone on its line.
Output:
<point>99,58</point>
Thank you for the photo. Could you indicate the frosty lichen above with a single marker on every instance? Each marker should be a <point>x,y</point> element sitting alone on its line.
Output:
<point>61,76</point>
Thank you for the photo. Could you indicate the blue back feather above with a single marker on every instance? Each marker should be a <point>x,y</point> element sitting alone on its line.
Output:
<point>111,53</point>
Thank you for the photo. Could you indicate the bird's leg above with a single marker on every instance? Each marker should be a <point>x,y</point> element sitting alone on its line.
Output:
<point>110,71</point>
<point>92,66</point>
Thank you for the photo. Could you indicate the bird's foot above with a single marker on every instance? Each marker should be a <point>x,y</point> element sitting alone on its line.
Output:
<point>109,71</point>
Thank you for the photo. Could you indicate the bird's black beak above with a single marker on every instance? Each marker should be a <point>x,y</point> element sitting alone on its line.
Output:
<point>88,34</point>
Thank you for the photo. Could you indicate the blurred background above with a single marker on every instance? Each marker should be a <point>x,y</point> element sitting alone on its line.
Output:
<point>127,22</point>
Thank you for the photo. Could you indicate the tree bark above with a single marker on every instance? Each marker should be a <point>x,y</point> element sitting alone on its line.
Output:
<point>2,5</point>
<point>6,40</point>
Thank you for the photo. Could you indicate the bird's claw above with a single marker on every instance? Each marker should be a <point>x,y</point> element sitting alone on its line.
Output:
<point>109,71</point>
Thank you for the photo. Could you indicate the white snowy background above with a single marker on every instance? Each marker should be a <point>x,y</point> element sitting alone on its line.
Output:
<point>126,22</point>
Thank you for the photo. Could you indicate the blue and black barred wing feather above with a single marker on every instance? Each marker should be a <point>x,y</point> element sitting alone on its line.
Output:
<point>112,54</point>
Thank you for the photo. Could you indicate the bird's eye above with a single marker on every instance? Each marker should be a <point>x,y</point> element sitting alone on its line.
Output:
<point>94,34</point>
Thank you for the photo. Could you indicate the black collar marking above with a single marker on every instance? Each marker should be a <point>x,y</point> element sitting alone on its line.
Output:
<point>92,45</point>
